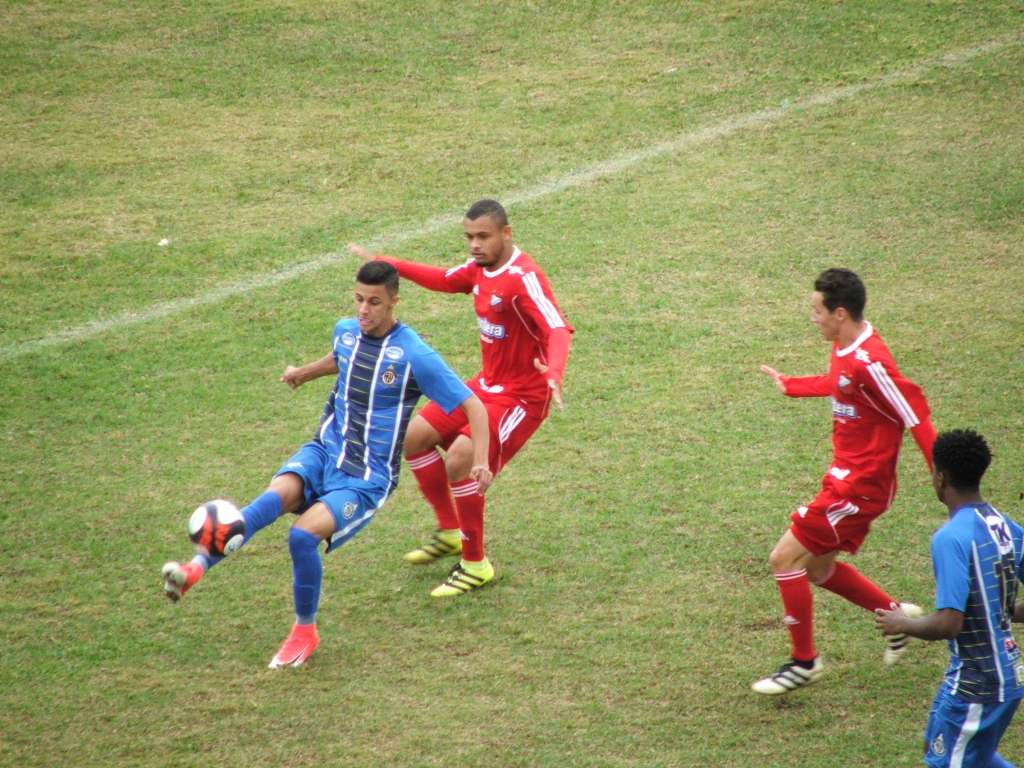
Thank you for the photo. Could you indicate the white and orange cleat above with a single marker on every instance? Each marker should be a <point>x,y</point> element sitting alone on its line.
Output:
<point>301,642</point>
<point>180,578</point>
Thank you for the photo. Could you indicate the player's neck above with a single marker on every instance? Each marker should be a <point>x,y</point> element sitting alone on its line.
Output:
<point>850,332</point>
<point>506,254</point>
<point>957,499</point>
<point>384,330</point>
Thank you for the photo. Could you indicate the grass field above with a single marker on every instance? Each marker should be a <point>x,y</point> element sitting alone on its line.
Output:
<point>682,172</point>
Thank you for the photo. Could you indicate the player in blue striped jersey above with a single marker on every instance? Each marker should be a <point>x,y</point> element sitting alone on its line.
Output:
<point>340,478</point>
<point>978,561</point>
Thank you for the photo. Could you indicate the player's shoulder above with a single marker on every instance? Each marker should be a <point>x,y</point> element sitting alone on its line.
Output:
<point>405,342</point>
<point>346,329</point>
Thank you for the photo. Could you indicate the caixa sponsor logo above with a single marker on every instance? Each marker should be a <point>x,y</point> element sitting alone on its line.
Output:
<point>843,410</point>
<point>493,330</point>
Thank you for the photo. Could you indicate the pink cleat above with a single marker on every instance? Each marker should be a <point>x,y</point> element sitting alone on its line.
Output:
<point>301,642</point>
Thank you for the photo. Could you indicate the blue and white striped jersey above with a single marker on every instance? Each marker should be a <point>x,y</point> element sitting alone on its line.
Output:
<point>978,561</point>
<point>379,383</point>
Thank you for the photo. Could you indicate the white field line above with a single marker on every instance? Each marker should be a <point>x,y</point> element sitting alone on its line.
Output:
<point>610,167</point>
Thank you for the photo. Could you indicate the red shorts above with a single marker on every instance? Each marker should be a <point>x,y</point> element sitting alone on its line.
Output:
<point>512,422</point>
<point>832,521</point>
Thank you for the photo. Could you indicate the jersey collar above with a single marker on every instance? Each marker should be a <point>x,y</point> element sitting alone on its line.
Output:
<point>506,265</point>
<point>868,330</point>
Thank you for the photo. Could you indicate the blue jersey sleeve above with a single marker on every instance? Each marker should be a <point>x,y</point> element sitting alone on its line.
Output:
<point>437,381</point>
<point>951,559</point>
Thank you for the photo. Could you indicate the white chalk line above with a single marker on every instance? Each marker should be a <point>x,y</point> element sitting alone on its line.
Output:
<point>610,167</point>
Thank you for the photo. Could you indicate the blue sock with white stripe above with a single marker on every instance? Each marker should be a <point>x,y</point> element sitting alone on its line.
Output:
<point>261,512</point>
<point>307,574</point>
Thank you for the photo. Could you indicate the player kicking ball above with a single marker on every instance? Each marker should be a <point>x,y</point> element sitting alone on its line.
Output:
<point>978,561</point>
<point>338,480</point>
<point>872,403</point>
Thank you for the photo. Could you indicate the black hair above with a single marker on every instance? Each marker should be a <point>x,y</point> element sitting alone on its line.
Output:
<point>842,288</point>
<point>487,207</point>
<point>963,455</point>
<point>379,273</point>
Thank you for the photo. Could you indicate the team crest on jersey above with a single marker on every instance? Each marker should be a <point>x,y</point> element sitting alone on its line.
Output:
<point>388,377</point>
<point>938,746</point>
<point>348,339</point>
<point>1011,647</point>
<point>348,510</point>
<point>495,300</point>
<point>394,353</point>
<point>844,382</point>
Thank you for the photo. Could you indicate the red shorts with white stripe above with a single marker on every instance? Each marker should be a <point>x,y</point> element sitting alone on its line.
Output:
<point>832,521</point>
<point>512,423</point>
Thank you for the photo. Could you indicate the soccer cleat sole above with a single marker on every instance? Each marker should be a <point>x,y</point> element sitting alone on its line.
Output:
<point>896,645</point>
<point>789,678</point>
<point>174,581</point>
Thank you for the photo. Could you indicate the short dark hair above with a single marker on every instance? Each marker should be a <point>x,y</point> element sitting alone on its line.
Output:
<point>963,455</point>
<point>842,288</point>
<point>379,273</point>
<point>487,207</point>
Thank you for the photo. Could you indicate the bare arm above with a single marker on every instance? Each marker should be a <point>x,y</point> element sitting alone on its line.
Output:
<point>941,625</point>
<point>296,377</point>
<point>1018,612</point>
<point>480,431</point>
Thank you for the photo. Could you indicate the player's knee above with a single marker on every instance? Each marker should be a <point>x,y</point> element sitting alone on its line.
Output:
<point>420,437</point>
<point>459,460</point>
<point>779,560</point>
<point>301,542</point>
<point>289,488</point>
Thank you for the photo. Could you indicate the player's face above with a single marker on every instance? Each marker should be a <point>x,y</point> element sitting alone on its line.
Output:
<point>375,309</point>
<point>827,322</point>
<point>490,244</point>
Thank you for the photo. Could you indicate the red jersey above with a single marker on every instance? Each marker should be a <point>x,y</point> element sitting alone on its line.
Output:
<point>516,313</point>
<point>872,403</point>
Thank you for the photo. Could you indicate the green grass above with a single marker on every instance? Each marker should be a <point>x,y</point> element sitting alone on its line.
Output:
<point>633,605</point>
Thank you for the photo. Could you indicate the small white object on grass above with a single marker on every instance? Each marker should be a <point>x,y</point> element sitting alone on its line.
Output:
<point>164,242</point>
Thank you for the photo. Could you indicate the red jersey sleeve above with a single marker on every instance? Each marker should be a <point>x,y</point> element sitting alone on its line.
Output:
<point>538,302</point>
<point>903,399</point>
<point>806,386</point>
<point>455,280</point>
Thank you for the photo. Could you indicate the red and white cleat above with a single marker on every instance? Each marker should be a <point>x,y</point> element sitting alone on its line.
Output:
<point>179,578</point>
<point>301,642</point>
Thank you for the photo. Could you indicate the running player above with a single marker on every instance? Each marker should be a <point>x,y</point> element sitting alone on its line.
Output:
<point>978,561</point>
<point>338,480</point>
<point>872,403</point>
<point>524,345</point>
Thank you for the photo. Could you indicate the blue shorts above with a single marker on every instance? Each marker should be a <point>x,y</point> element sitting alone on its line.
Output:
<point>352,500</point>
<point>963,733</point>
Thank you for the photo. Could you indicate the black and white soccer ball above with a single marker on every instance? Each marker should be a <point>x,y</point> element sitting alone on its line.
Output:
<point>217,528</point>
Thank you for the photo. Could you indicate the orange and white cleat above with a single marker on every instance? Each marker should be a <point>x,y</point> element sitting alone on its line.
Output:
<point>180,578</point>
<point>301,642</point>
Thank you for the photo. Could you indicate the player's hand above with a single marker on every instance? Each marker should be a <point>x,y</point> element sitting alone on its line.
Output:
<point>291,377</point>
<point>776,376</point>
<point>362,253</point>
<point>483,477</point>
<point>553,384</point>
<point>890,622</point>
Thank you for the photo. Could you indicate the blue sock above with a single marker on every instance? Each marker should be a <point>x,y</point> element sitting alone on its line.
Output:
<point>261,512</point>
<point>307,574</point>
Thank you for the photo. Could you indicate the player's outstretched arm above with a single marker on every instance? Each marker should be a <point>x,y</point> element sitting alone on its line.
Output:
<point>480,431</point>
<point>776,377</point>
<point>362,253</point>
<point>296,377</point>
<point>430,277</point>
<point>944,624</point>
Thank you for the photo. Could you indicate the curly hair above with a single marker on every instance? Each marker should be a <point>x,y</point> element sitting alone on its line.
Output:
<point>963,455</point>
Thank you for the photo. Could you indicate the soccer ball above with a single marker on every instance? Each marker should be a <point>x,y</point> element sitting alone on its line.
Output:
<point>217,528</point>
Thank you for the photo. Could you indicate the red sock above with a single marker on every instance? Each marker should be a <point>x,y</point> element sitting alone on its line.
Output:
<point>799,605</point>
<point>849,583</point>
<point>470,505</point>
<point>428,467</point>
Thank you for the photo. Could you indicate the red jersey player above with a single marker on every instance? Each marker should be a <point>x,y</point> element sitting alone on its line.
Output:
<point>872,403</point>
<point>524,346</point>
